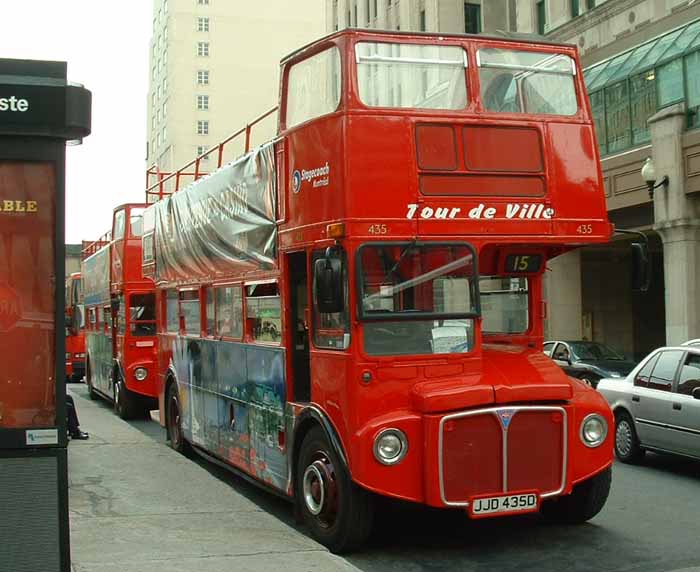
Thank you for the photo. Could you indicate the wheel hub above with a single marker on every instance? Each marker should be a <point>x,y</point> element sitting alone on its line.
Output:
<point>319,490</point>
<point>623,437</point>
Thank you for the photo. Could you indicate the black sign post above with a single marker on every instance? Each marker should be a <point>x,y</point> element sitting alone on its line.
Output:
<point>39,112</point>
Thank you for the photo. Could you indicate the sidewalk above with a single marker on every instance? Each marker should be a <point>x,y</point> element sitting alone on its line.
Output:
<point>137,505</point>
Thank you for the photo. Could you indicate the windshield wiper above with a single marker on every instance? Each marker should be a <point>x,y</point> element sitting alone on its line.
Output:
<point>403,254</point>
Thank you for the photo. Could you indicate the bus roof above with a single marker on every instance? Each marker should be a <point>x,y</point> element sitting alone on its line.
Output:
<point>515,37</point>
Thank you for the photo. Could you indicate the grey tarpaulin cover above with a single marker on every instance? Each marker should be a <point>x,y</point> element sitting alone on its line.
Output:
<point>220,223</point>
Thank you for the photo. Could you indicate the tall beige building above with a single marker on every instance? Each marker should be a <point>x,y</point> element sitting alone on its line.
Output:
<point>214,67</point>
<point>448,16</point>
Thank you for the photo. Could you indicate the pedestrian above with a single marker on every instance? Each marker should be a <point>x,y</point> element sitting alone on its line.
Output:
<point>72,420</point>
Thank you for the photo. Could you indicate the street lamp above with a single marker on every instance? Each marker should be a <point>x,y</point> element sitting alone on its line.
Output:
<point>649,175</point>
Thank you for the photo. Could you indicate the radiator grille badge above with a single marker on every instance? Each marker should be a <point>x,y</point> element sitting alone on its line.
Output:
<point>505,416</point>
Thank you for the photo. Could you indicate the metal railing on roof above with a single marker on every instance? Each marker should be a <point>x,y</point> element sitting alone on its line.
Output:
<point>90,248</point>
<point>158,190</point>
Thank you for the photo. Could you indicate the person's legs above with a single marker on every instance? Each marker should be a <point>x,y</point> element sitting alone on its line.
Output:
<point>72,420</point>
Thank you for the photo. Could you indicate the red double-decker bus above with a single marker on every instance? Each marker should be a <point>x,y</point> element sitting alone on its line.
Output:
<point>356,308</point>
<point>120,324</point>
<point>75,328</point>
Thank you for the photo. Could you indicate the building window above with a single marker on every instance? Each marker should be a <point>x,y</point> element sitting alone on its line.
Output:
<point>153,123</point>
<point>203,127</point>
<point>643,100</point>
<point>165,109</point>
<point>575,8</point>
<point>590,4</point>
<point>203,2</point>
<point>669,81</point>
<point>422,21</point>
<point>203,77</point>
<point>200,150</point>
<point>164,134</point>
<point>202,24</point>
<point>369,17</point>
<point>203,102</point>
<point>617,112</point>
<point>202,48</point>
<point>472,18</point>
<point>541,17</point>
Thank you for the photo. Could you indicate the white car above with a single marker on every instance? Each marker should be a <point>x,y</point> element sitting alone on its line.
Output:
<point>657,406</point>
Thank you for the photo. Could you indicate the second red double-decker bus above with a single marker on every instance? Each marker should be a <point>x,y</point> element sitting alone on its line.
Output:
<point>75,328</point>
<point>120,307</point>
<point>357,307</point>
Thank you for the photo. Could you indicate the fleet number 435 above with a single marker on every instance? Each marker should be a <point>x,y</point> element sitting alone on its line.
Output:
<point>584,229</point>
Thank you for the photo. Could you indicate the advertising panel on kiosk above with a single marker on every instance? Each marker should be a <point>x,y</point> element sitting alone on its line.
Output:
<point>39,112</point>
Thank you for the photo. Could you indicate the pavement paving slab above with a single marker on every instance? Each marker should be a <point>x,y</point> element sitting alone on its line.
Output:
<point>137,505</point>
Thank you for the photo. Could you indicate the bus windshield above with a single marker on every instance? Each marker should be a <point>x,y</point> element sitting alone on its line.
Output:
<point>516,81</point>
<point>417,298</point>
<point>411,75</point>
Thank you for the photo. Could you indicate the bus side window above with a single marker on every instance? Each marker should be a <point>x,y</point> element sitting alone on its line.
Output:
<point>264,317</point>
<point>229,312</point>
<point>210,311</point>
<point>172,312</point>
<point>107,320</point>
<point>189,306</point>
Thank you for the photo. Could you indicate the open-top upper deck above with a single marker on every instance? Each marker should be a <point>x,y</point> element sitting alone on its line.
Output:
<point>429,136</point>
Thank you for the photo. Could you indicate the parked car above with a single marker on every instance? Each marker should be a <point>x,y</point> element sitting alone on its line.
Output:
<point>657,406</point>
<point>692,343</point>
<point>588,361</point>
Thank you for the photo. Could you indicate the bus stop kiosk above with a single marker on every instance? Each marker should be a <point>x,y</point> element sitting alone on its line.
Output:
<point>39,113</point>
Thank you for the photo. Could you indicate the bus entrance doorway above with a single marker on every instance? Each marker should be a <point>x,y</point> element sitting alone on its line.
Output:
<point>298,317</point>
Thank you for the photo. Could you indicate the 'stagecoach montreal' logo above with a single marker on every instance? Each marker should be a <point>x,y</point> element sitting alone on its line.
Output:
<point>318,177</point>
<point>296,181</point>
<point>13,104</point>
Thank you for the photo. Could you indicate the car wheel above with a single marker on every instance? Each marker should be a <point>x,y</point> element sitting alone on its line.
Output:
<point>338,513</point>
<point>627,447</point>
<point>173,421</point>
<point>585,501</point>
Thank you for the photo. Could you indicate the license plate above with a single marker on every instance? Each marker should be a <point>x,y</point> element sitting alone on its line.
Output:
<point>496,505</point>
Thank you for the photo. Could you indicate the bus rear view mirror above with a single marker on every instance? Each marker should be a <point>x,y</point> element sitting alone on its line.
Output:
<point>328,285</point>
<point>641,271</point>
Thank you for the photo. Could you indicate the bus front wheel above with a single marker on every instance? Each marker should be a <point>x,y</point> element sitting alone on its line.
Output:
<point>585,501</point>
<point>173,414</point>
<point>338,513</point>
<point>124,400</point>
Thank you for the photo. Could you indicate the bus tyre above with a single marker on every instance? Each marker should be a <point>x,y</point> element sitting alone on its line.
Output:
<point>585,501</point>
<point>124,400</point>
<point>88,381</point>
<point>338,513</point>
<point>173,421</point>
<point>627,447</point>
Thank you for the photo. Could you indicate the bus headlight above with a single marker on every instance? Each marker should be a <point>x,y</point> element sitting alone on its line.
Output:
<point>140,373</point>
<point>594,430</point>
<point>390,446</point>
<point>67,355</point>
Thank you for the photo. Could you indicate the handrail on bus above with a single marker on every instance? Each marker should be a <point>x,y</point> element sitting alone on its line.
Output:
<point>93,247</point>
<point>157,189</point>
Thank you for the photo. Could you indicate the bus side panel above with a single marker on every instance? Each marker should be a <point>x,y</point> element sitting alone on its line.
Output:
<point>232,399</point>
<point>268,462</point>
<point>99,350</point>
<point>232,373</point>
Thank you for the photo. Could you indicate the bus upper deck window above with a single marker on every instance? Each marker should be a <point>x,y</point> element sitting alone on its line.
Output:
<point>516,81</point>
<point>136,222</point>
<point>313,87</point>
<point>413,76</point>
<point>119,224</point>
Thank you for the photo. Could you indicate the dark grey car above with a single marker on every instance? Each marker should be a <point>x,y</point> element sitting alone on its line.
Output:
<point>657,406</point>
<point>587,361</point>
